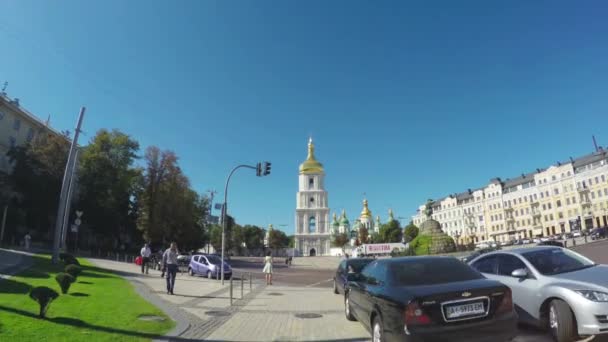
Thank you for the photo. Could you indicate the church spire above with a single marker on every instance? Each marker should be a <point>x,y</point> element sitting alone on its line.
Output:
<point>311,165</point>
<point>365,212</point>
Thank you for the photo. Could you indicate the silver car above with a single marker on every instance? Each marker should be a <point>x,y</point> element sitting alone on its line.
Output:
<point>553,288</point>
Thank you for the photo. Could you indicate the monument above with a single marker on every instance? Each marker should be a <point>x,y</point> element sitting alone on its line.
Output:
<point>431,239</point>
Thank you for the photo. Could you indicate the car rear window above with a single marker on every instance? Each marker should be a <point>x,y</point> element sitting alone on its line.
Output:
<point>431,272</point>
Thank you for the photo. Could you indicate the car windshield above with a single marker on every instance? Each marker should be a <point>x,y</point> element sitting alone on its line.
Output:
<point>431,272</point>
<point>358,264</point>
<point>214,260</point>
<point>557,260</point>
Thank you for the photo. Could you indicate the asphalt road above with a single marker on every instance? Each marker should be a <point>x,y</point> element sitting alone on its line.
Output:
<point>312,277</point>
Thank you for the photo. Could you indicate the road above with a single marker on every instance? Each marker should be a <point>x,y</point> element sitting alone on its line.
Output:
<point>315,277</point>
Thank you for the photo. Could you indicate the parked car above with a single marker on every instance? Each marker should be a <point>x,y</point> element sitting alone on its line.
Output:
<point>553,288</point>
<point>477,253</point>
<point>525,241</point>
<point>598,233</point>
<point>552,243</point>
<point>346,267</point>
<point>577,233</point>
<point>209,266</point>
<point>429,299</point>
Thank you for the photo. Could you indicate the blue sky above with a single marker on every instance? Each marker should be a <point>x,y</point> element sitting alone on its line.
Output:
<point>405,100</point>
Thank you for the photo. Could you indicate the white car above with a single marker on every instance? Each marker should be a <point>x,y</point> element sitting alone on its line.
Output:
<point>525,241</point>
<point>577,234</point>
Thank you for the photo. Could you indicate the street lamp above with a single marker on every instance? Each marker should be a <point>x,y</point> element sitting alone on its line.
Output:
<point>262,169</point>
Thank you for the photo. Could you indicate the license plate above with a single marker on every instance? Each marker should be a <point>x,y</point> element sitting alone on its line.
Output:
<point>457,311</point>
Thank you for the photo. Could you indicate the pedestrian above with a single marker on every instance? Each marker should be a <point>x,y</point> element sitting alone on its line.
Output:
<point>170,266</point>
<point>268,267</point>
<point>28,240</point>
<point>145,258</point>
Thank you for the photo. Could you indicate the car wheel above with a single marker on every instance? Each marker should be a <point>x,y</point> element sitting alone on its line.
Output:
<point>561,321</point>
<point>377,330</point>
<point>347,309</point>
<point>336,287</point>
<point>190,272</point>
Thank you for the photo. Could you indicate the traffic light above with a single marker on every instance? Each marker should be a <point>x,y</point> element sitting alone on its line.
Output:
<point>267,168</point>
<point>258,170</point>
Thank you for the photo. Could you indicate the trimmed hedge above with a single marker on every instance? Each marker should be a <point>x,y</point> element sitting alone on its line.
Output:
<point>68,259</point>
<point>73,270</point>
<point>65,281</point>
<point>44,296</point>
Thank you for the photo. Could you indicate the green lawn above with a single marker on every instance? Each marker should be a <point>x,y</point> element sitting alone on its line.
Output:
<point>100,306</point>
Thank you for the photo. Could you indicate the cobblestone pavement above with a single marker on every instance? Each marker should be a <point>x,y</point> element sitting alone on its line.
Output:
<point>269,313</point>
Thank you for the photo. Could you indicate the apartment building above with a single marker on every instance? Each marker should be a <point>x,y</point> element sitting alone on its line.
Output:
<point>17,127</point>
<point>565,197</point>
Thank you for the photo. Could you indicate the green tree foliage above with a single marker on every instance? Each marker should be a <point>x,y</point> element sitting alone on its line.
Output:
<point>108,183</point>
<point>390,232</point>
<point>340,240</point>
<point>374,238</point>
<point>168,209</point>
<point>39,165</point>
<point>277,239</point>
<point>215,235</point>
<point>410,232</point>
<point>73,270</point>
<point>292,241</point>
<point>254,237</point>
<point>43,296</point>
<point>65,281</point>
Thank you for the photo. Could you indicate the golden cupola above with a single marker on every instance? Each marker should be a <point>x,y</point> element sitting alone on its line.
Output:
<point>365,212</point>
<point>311,165</point>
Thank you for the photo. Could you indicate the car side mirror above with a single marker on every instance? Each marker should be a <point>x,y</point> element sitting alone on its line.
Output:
<point>520,273</point>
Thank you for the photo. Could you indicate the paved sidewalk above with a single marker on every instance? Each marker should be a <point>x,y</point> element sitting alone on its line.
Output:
<point>13,262</point>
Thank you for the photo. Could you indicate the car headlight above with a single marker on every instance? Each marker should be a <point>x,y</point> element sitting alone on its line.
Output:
<point>595,296</point>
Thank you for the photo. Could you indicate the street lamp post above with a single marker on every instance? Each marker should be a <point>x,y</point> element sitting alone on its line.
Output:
<point>259,172</point>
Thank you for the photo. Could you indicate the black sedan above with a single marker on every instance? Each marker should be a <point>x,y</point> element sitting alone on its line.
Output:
<point>346,267</point>
<point>429,299</point>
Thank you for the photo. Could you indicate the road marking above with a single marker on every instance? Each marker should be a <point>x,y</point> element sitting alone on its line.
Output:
<point>319,283</point>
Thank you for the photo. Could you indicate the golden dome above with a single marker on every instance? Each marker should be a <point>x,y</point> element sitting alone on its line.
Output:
<point>311,165</point>
<point>365,212</point>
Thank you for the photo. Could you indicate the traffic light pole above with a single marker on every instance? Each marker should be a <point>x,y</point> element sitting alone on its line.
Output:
<point>224,210</point>
<point>259,173</point>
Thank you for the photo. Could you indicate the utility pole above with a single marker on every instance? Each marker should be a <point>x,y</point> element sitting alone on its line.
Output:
<point>66,217</point>
<point>69,170</point>
<point>211,195</point>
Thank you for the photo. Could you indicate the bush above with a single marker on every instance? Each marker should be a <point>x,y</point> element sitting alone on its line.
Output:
<point>64,280</point>
<point>73,270</point>
<point>68,259</point>
<point>44,296</point>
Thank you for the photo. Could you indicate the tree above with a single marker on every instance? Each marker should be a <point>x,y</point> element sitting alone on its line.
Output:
<point>169,210</point>
<point>38,166</point>
<point>277,239</point>
<point>108,183</point>
<point>292,241</point>
<point>215,235</point>
<point>410,232</point>
<point>363,235</point>
<point>340,240</point>
<point>374,238</point>
<point>390,232</point>
<point>254,237</point>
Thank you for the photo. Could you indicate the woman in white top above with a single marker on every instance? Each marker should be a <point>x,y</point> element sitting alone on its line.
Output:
<point>268,268</point>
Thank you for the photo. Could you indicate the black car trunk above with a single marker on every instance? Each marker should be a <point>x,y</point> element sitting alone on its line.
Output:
<point>460,302</point>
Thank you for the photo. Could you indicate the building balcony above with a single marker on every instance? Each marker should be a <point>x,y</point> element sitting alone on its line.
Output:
<point>534,203</point>
<point>509,209</point>
<point>536,213</point>
<point>585,203</point>
<point>582,188</point>
<point>510,219</point>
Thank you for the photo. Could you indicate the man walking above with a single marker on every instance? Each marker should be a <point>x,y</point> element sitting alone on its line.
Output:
<point>170,266</point>
<point>145,258</point>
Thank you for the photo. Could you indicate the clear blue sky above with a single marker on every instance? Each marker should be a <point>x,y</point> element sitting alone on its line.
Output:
<point>404,101</point>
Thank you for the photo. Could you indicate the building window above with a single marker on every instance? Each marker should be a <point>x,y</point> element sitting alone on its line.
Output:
<point>567,201</point>
<point>17,124</point>
<point>590,181</point>
<point>535,197</point>
<point>547,193</point>
<point>311,183</point>
<point>12,142</point>
<point>568,173</point>
<point>312,224</point>
<point>480,218</point>
<point>527,210</point>
<point>606,192</point>
<point>549,205</point>
<point>603,178</point>
<point>553,177</point>
<point>30,135</point>
<point>597,180</point>
<point>592,195</point>
<point>551,216</point>
<point>544,207</point>
<point>573,200</point>
<point>558,203</point>
<point>556,191</point>
<point>542,195</point>
<point>599,193</point>
<point>561,215</point>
